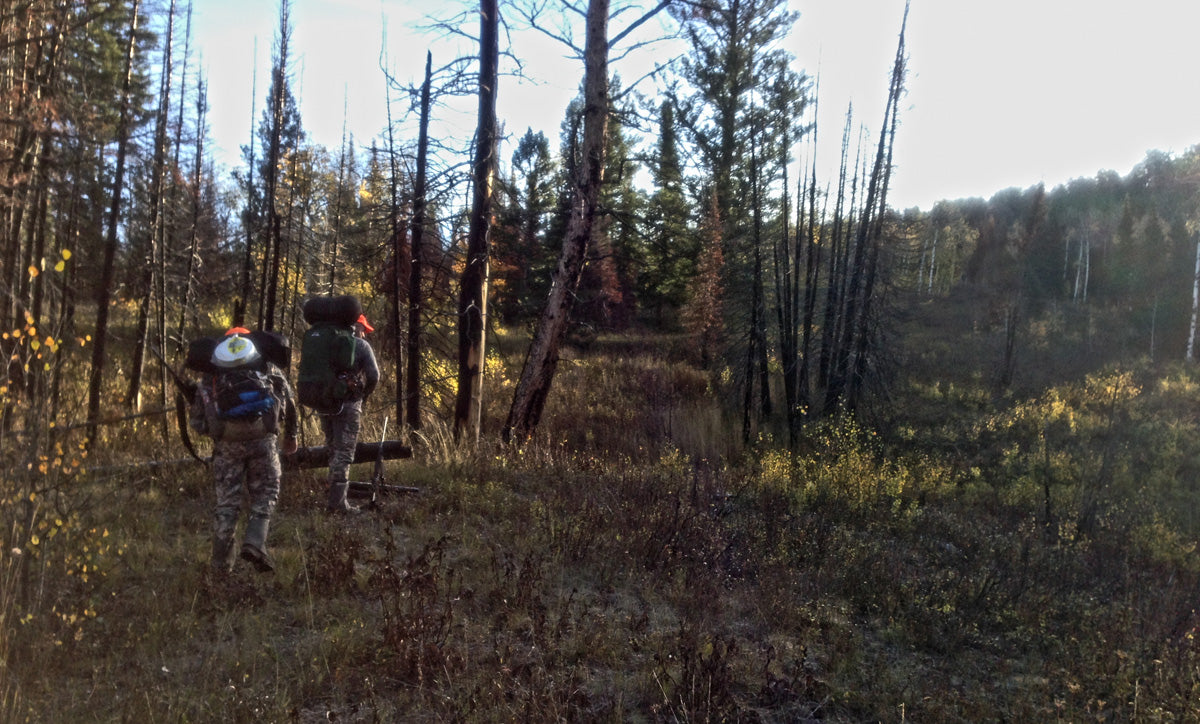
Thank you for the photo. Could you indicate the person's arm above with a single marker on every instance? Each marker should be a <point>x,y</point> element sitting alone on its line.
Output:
<point>290,422</point>
<point>197,412</point>
<point>290,418</point>
<point>368,366</point>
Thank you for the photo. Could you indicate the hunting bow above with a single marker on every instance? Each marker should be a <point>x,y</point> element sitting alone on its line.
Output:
<point>377,474</point>
<point>185,392</point>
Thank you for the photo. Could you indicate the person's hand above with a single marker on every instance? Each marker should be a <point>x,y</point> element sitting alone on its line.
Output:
<point>289,445</point>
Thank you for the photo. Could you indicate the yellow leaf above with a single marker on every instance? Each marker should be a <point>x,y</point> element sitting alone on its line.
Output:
<point>66,254</point>
<point>60,266</point>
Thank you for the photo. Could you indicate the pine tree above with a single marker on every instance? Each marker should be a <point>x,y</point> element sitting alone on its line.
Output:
<point>521,251</point>
<point>734,50</point>
<point>671,251</point>
<point>280,134</point>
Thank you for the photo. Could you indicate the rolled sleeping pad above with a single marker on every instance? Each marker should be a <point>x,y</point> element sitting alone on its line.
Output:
<point>271,346</point>
<point>274,347</point>
<point>341,310</point>
<point>199,355</point>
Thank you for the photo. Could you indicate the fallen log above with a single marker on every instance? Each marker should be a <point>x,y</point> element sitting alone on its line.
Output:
<point>303,459</point>
<point>367,489</point>
<point>364,452</point>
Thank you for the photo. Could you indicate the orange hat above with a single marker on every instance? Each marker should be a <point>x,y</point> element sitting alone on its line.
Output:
<point>362,320</point>
<point>236,330</point>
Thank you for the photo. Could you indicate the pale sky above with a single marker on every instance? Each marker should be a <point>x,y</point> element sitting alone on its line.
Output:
<point>1000,94</point>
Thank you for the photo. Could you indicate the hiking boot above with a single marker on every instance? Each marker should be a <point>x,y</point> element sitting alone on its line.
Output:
<point>337,503</point>
<point>258,558</point>
<point>222,555</point>
<point>254,545</point>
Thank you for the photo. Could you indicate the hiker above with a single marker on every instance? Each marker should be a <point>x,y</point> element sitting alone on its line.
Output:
<point>341,428</point>
<point>243,397</point>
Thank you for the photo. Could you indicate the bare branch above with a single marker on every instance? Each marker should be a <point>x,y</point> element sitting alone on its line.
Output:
<point>637,23</point>
<point>658,68</point>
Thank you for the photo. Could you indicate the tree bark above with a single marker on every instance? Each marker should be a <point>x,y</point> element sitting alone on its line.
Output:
<point>529,400</point>
<point>274,230</point>
<point>472,301</point>
<point>399,229</point>
<point>241,307</point>
<point>786,298</point>
<point>1191,345</point>
<point>151,272</point>
<point>415,299</point>
<point>193,226</point>
<point>104,289</point>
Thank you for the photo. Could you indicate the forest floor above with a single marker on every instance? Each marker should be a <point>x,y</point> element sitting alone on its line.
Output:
<point>636,562</point>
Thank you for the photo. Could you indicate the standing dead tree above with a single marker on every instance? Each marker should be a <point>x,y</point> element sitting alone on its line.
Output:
<point>416,298</point>
<point>105,287</point>
<point>152,282</point>
<point>851,354</point>
<point>472,301</point>
<point>278,116</point>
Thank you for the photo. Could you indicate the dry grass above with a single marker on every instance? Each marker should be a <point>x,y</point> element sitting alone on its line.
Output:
<point>634,564</point>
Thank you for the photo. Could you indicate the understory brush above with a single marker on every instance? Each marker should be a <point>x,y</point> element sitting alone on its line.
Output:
<point>633,562</point>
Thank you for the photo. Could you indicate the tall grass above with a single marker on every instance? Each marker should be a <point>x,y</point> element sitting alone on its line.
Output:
<point>634,562</point>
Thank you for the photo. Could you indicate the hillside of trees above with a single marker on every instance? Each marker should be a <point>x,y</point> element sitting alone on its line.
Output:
<point>696,434</point>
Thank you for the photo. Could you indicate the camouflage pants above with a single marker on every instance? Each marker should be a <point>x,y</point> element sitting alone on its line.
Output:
<point>341,437</point>
<point>252,465</point>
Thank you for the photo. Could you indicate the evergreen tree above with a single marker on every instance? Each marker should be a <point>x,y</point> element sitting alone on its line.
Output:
<point>521,250</point>
<point>607,289</point>
<point>280,134</point>
<point>734,50</point>
<point>671,251</point>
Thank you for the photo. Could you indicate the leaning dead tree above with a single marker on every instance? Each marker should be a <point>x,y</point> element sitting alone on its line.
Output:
<point>529,400</point>
<point>541,360</point>
<point>854,347</point>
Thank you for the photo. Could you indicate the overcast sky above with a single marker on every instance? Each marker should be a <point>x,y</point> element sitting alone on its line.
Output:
<point>1000,94</point>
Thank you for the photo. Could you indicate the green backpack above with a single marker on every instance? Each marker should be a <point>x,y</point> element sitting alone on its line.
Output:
<point>326,378</point>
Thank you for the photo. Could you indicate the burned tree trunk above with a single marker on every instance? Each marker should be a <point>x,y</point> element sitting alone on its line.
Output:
<point>472,301</point>
<point>104,289</point>
<point>529,400</point>
<point>364,452</point>
<point>415,299</point>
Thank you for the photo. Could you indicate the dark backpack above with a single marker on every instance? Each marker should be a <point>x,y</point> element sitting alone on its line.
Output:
<point>326,378</point>
<point>244,402</point>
